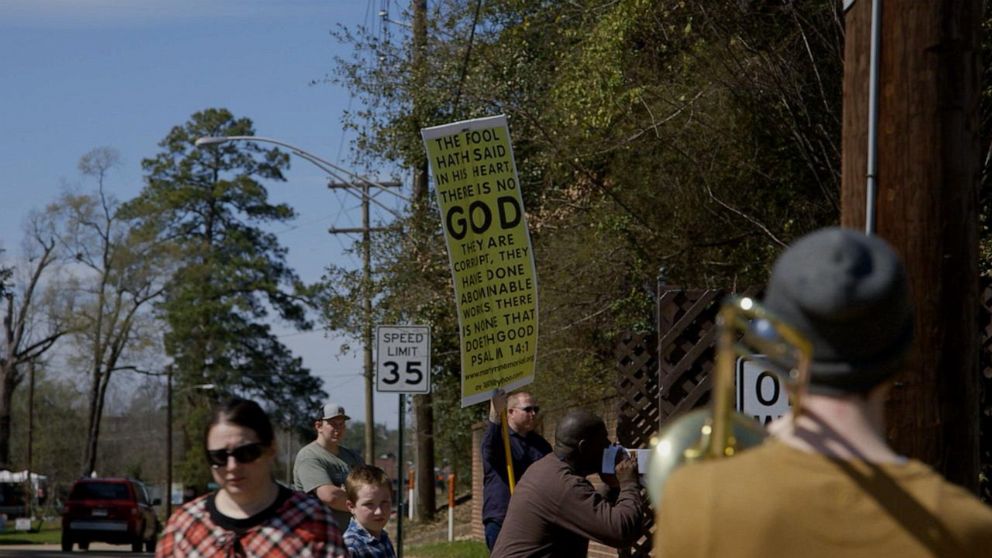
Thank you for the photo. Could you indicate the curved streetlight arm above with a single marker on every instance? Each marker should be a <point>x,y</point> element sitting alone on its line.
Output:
<point>324,165</point>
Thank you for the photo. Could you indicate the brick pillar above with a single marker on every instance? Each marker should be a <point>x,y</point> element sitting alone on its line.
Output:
<point>478,534</point>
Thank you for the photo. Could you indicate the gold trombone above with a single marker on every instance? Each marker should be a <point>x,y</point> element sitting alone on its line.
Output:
<point>720,431</point>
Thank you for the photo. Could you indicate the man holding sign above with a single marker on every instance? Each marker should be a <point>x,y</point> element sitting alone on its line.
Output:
<point>526,446</point>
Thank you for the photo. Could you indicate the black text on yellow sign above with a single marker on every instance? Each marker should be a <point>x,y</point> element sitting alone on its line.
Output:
<point>489,248</point>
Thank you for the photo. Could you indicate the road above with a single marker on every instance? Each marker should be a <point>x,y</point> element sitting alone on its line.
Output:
<point>97,550</point>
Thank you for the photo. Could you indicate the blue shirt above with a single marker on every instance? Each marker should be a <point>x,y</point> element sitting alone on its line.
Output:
<point>525,449</point>
<point>362,544</point>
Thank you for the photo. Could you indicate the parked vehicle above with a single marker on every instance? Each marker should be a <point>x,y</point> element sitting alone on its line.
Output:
<point>109,510</point>
<point>17,498</point>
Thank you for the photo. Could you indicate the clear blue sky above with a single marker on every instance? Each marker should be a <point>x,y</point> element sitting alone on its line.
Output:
<point>80,74</point>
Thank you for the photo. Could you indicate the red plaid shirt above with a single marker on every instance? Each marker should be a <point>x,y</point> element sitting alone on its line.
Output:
<point>297,526</point>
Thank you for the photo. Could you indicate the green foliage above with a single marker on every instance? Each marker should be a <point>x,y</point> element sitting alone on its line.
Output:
<point>210,204</point>
<point>386,440</point>
<point>57,446</point>
<point>688,140</point>
<point>411,284</point>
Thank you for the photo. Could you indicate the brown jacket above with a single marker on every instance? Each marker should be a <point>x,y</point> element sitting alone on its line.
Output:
<point>776,501</point>
<point>554,512</point>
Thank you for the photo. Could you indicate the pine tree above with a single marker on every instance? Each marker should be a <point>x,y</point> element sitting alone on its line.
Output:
<point>210,204</point>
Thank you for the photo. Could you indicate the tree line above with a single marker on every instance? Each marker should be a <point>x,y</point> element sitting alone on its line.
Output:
<point>676,141</point>
<point>684,142</point>
<point>658,141</point>
<point>179,280</point>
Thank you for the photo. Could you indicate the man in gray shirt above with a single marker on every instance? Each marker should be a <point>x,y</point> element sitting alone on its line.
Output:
<point>323,465</point>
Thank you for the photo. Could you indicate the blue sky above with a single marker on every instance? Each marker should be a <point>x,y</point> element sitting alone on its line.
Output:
<point>81,74</point>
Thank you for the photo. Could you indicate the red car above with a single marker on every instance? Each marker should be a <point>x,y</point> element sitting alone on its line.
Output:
<point>111,510</point>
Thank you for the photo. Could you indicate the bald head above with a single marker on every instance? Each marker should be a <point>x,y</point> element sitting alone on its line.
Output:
<point>580,439</point>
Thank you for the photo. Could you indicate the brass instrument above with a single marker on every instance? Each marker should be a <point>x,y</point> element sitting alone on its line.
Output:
<point>719,431</point>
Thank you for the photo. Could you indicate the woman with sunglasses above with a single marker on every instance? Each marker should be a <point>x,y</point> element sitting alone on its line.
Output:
<point>250,515</point>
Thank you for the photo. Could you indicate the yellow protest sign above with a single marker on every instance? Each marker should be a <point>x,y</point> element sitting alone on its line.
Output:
<point>492,261</point>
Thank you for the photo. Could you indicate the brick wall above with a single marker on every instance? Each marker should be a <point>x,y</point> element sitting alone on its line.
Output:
<point>605,408</point>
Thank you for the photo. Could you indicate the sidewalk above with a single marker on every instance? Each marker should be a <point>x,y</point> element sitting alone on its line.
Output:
<point>96,550</point>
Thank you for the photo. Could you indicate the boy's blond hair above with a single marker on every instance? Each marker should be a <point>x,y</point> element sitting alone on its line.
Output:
<point>365,475</point>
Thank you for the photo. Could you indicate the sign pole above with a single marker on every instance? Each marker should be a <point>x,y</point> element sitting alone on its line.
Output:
<point>400,481</point>
<point>403,367</point>
<point>510,477</point>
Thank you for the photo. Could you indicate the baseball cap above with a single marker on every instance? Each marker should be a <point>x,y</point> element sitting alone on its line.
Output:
<point>331,410</point>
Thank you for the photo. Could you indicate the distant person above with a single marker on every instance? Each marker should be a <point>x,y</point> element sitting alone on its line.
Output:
<point>555,511</point>
<point>370,499</point>
<point>250,515</point>
<point>322,466</point>
<point>526,447</point>
<point>827,484</point>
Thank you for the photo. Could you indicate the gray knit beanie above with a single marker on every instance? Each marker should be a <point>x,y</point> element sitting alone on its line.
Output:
<point>847,293</point>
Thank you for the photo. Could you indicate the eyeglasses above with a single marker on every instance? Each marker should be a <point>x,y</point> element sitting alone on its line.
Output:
<point>242,454</point>
<point>529,409</point>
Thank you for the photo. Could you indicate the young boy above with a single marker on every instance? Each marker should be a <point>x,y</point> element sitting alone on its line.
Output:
<point>370,501</point>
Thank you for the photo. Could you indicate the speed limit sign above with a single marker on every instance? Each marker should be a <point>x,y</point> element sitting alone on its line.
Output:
<point>403,363</point>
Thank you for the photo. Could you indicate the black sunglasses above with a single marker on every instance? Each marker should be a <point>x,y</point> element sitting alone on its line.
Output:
<point>529,409</point>
<point>242,454</point>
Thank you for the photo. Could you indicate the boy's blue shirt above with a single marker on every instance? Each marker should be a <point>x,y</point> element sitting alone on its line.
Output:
<point>362,544</point>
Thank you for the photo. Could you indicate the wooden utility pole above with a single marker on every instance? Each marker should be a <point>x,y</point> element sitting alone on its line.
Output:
<point>168,440</point>
<point>366,230</point>
<point>419,59</point>
<point>32,370</point>
<point>423,407</point>
<point>929,167</point>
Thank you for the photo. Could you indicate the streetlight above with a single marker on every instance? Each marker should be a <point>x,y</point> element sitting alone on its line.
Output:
<point>336,171</point>
<point>168,438</point>
<point>330,168</point>
<point>385,17</point>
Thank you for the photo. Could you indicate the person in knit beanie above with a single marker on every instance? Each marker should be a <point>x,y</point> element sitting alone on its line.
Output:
<point>827,483</point>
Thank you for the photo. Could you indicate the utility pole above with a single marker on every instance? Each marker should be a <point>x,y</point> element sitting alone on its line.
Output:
<point>366,230</point>
<point>419,59</point>
<point>423,405</point>
<point>168,441</point>
<point>928,169</point>
<point>31,491</point>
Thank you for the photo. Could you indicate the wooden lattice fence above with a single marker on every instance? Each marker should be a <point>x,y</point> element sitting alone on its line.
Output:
<point>666,374</point>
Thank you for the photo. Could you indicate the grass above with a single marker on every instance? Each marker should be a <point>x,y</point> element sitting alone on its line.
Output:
<point>457,549</point>
<point>50,533</point>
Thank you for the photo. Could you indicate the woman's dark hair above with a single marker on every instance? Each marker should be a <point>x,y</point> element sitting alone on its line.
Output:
<point>246,414</point>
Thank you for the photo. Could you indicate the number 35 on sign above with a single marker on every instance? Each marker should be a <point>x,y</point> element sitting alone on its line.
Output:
<point>403,359</point>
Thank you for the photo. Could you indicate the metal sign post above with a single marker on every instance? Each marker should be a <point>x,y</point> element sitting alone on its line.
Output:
<point>400,480</point>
